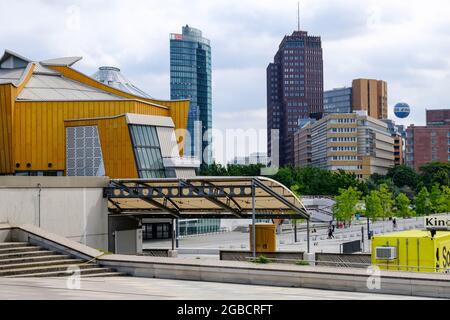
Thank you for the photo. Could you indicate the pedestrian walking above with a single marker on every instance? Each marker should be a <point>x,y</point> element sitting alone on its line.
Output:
<point>394,223</point>
<point>330,233</point>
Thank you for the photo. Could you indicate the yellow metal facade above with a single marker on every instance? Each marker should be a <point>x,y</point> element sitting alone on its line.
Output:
<point>32,133</point>
<point>117,149</point>
<point>6,104</point>
<point>8,95</point>
<point>416,250</point>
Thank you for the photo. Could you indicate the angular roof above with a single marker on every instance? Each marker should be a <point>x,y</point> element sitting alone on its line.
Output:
<point>65,62</point>
<point>11,54</point>
<point>11,75</point>
<point>46,87</point>
<point>46,84</point>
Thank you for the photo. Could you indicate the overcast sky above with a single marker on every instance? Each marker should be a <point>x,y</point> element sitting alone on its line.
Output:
<point>406,43</point>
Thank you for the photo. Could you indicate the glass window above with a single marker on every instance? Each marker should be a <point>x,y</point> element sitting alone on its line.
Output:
<point>147,151</point>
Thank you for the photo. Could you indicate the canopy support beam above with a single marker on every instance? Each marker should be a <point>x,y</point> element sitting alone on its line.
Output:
<point>214,200</point>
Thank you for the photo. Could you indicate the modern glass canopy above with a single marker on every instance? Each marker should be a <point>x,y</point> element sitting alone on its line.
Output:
<point>204,197</point>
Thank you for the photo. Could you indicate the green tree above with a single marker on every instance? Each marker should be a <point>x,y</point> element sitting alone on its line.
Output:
<point>295,190</point>
<point>437,200</point>
<point>345,206</point>
<point>422,202</point>
<point>435,173</point>
<point>402,203</point>
<point>285,177</point>
<point>213,170</point>
<point>446,196</point>
<point>403,176</point>
<point>386,200</point>
<point>374,209</point>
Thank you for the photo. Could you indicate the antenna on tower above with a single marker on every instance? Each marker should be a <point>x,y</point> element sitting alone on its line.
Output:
<point>298,16</point>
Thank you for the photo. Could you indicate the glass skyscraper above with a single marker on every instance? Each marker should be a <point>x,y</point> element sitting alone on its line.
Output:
<point>190,78</point>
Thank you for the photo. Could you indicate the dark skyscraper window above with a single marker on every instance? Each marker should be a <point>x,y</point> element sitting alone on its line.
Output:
<point>294,89</point>
<point>190,78</point>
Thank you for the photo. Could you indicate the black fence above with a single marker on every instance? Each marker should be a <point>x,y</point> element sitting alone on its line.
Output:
<point>351,247</point>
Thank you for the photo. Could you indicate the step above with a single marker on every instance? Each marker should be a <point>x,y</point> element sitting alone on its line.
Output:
<point>32,259</point>
<point>55,268</point>
<point>44,263</point>
<point>5,245</point>
<point>83,273</point>
<point>27,254</point>
<point>19,249</point>
<point>106,274</point>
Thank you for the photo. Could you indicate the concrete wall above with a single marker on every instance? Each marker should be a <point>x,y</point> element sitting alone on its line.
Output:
<point>72,207</point>
<point>120,224</point>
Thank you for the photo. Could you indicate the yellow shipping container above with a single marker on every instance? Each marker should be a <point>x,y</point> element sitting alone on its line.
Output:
<point>413,250</point>
<point>266,237</point>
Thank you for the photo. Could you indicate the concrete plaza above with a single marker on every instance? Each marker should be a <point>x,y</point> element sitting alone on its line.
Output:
<point>130,288</point>
<point>208,246</point>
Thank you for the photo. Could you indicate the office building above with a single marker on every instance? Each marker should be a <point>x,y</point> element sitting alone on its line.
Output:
<point>398,132</point>
<point>430,143</point>
<point>294,90</point>
<point>302,145</point>
<point>353,142</point>
<point>337,101</point>
<point>190,78</point>
<point>57,121</point>
<point>364,95</point>
<point>371,96</point>
<point>254,158</point>
<point>440,117</point>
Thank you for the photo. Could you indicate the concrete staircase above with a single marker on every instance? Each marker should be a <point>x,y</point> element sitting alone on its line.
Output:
<point>21,259</point>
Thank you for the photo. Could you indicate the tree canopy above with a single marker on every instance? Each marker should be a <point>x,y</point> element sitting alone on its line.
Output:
<point>345,206</point>
<point>316,181</point>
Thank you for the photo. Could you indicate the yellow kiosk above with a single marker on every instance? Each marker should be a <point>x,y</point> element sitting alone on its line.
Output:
<point>266,237</point>
<point>415,250</point>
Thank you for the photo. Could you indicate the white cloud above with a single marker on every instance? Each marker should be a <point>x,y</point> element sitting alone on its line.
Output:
<point>404,43</point>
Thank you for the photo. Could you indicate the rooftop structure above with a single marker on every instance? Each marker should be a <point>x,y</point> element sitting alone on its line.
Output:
<point>112,77</point>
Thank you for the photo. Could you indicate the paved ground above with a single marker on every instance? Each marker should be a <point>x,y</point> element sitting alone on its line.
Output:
<point>127,288</point>
<point>285,241</point>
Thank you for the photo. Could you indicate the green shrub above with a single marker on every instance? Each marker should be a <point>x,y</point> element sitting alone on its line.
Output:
<point>260,260</point>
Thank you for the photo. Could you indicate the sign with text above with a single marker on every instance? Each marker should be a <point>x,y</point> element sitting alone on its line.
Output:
<point>437,223</point>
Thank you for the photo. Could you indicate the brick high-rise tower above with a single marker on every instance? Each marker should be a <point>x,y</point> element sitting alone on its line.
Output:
<point>294,89</point>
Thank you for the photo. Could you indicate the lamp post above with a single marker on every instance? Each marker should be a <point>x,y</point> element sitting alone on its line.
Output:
<point>295,231</point>
<point>177,241</point>
<point>253,219</point>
